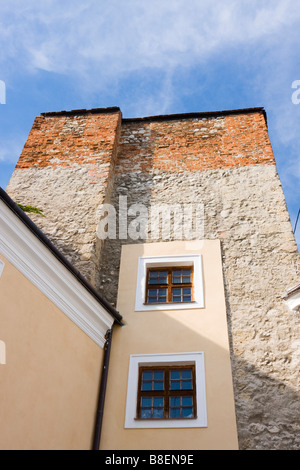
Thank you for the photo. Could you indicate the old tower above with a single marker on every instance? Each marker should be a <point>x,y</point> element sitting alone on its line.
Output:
<point>74,162</point>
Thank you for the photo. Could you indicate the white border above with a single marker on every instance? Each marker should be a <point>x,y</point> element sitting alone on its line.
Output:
<point>34,260</point>
<point>161,261</point>
<point>2,353</point>
<point>137,360</point>
<point>1,267</point>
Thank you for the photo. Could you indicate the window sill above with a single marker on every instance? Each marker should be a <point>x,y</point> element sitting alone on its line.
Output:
<point>169,420</point>
<point>170,303</point>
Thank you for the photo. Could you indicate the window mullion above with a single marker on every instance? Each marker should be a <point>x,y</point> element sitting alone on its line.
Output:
<point>171,285</point>
<point>169,298</point>
<point>166,396</point>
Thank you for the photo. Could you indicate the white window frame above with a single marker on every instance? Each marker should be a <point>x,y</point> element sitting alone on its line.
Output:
<point>138,360</point>
<point>145,263</point>
<point>2,352</point>
<point>1,267</point>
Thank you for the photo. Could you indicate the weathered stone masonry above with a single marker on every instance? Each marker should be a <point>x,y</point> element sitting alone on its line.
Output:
<point>74,161</point>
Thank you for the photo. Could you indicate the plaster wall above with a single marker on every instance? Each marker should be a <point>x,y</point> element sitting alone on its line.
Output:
<point>50,381</point>
<point>173,331</point>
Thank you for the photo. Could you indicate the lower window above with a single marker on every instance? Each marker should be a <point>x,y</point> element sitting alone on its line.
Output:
<point>166,390</point>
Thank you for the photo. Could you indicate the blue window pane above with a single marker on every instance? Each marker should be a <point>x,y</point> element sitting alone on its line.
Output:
<point>152,295</point>
<point>187,385</point>
<point>175,374</point>
<point>186,272</point>
<point>147,386</point>
<point>186,291</point>
<point>187,412</point>
<point>146,413</point>
<point>158,277</point>
<point>181,407</point>
<point>186,298</point>
<point>153,275</point>
<point>181,276</point>
<point>158,375</point>
<point>175,385</point>
<point>158,413</point>
<point>147,375</point>
<point>186,276</point>
<point>174,401</point>
<point>176,291</point>
<point>174,412</point>
<point>146,402</point>
<point>157,295</point>
<point>162,277</point>
<point>152,407</point>
<point>158,401</point>
<point>187,374</point>
<point>181,294</point>
<point>152,292</point>
<point>158,386</point>
<point>152,380</point>
<point>187,401</point>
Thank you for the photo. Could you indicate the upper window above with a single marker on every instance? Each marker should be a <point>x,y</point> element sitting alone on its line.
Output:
<point>169,285</point>
<point>169,282</point>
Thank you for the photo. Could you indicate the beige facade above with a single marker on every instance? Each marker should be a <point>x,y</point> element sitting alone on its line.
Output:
<point>174,333</point>
<point>49,384</point>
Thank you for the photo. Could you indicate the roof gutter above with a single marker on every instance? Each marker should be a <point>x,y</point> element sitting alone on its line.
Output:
<point>43,239</point>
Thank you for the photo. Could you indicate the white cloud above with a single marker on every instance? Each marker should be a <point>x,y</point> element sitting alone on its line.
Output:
<point>117,37</point>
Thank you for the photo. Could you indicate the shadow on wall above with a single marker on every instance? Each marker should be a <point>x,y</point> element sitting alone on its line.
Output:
<point>264,424</point>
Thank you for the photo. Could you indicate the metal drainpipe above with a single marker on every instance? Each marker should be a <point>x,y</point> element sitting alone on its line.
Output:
<point>103,383</point>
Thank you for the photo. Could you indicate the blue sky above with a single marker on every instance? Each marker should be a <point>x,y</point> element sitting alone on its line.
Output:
<point>153,57</point>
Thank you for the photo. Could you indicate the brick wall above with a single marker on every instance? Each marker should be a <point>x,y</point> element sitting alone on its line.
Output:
<point>191,144</point>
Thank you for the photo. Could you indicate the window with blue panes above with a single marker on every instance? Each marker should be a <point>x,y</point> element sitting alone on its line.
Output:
<point>169,285</point>
<point>167,392</point>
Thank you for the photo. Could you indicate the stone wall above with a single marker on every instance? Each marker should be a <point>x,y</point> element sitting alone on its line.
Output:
<point>72,163</point>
